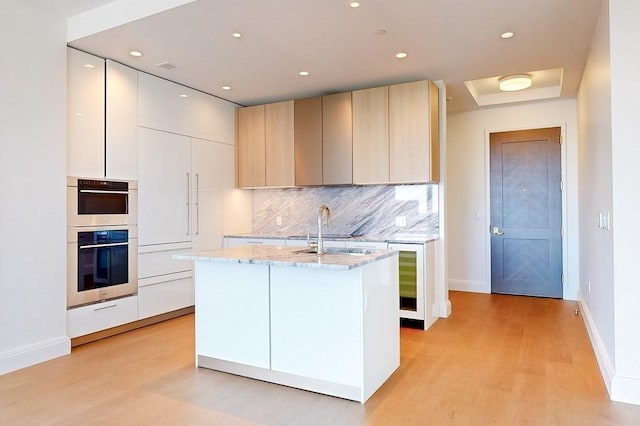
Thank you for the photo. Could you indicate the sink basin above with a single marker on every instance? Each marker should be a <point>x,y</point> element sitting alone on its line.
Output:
<point>336,250</point>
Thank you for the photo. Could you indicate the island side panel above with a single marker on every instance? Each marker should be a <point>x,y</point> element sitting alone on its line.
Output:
<point>381,345</point>
<point>316,327</point>
<point>232,312</point>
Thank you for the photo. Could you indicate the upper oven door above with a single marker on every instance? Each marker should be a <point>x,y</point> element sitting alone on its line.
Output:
<point>93,202</point>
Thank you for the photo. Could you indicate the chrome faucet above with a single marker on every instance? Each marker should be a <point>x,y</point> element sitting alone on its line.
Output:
<point>324,210</point>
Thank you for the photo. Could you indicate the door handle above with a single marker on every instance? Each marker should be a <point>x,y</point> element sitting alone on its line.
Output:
<point>496,231</point>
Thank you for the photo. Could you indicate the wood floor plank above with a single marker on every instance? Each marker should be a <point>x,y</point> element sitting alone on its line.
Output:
<point>498,360</point>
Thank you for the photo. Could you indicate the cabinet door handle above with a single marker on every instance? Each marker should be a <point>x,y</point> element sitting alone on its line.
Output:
<point>187,203</point>
<point>102,308</point>
<point>197,204</point>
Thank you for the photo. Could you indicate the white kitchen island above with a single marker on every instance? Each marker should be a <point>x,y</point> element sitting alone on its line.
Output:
<point>327,324</point>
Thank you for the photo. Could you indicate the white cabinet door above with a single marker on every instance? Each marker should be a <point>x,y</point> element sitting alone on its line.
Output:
<point>206,164</point>
<point>207,220</point>
<point>228,155</point>
<point>85,114</point>
<point>210,117</point>
<point>100,316</point>
<point>165,296</point>
<point>122,122</point>
<point>161,105</point>
<point>164,187</point>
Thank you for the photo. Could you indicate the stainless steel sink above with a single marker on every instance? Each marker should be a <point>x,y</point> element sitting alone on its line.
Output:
<point>336,250</point>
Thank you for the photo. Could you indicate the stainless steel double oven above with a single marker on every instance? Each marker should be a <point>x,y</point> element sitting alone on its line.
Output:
<point>102,236</point>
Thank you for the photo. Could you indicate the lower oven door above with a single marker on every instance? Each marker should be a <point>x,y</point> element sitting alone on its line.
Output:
<point>102,264</point>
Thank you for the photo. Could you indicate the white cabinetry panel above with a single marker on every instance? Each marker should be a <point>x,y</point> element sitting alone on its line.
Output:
<point>121,122</point>
<point>233,334</point>
<point>165,297</point>
<point>85,114</point>
<point>316,334</point>
<point>164,184</point>
<point>100,316</point>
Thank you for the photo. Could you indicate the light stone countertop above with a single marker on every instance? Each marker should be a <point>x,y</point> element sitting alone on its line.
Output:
<point>287,256</point>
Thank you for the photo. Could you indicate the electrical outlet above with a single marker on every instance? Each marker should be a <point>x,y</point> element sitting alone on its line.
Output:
<point>279,220</point>
<point>401,221</point>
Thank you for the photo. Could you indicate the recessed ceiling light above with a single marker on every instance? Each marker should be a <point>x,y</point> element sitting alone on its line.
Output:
<point>304,73</point>
<point>354,4</point>
<point>184,95</point>
<point>401,55</point>
<point>226,87</point>
<point>236,35</point>
<point>89,66</point>
<point>135,53</point>
<point>507,35</point>
<point>513,83</point>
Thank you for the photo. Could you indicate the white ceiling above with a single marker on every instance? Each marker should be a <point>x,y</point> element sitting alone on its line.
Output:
<point>450,40</point>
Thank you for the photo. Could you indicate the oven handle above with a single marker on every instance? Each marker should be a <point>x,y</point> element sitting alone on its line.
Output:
<point>89,246</point>
<point>102,191</point>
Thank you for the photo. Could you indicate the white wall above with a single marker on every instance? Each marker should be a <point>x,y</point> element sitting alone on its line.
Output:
<point>32,184</point>
<point>467,192</point>
<point>625,129</point>
<point>596,196</point>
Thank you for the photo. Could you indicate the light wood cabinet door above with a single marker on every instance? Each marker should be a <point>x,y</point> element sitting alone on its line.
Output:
<point>122,122</point>
<point>85,115</point>
<point>308,146</point>
<point>371,135</point>
<point>279,157</point>
<point>409,133</point>
<point>337,139</point>
<point>251,146</point>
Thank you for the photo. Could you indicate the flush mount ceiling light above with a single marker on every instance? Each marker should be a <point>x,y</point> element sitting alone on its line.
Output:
<point>507,35</point>
<point>304,73</point>
<point>135,53</point>
<point>89,66</point>
<point>183,95</point>
<point>401,55</point>
<point>226,87</point>
<point>354,4</point>
<point>236,35</point>
<point>513,83</point>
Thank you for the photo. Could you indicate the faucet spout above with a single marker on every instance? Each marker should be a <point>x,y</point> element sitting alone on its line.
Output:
<point>323,211</point>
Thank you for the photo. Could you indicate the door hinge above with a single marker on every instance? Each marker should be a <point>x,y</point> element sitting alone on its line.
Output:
<point>562,232</point>
<point>562,278</point>
<point>561,186</point>
<point>560,139</point>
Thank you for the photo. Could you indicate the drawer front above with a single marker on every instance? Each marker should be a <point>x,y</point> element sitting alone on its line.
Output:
<point>165,297</point>
<point>237,242</point>
<point>160,263</point>
<point>100,316</point>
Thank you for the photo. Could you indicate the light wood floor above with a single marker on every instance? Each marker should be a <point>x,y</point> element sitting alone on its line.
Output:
<point>498,360</point>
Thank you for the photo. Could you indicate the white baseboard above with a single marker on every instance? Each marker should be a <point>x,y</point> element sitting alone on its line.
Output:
<point>470,286</point>
<point>604,361</point>
<point>625,389</point>
<point>26,356</point>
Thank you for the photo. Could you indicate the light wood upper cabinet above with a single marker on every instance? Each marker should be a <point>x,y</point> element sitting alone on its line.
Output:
<point>337,139</point>
<point>409,133</point>
<point>308,141</point>
<point>371,135</point>
<point>251,146</point>
<point>265,145</point>
<point>279,156</point>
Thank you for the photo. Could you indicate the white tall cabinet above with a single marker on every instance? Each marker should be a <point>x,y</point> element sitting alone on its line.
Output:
<point>185,156</point>
<point>102,117</point>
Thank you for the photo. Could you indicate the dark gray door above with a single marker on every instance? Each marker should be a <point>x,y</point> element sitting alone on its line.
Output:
<point>526,213</point>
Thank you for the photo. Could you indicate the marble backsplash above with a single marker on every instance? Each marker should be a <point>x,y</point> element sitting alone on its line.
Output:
<point>358,210</point>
